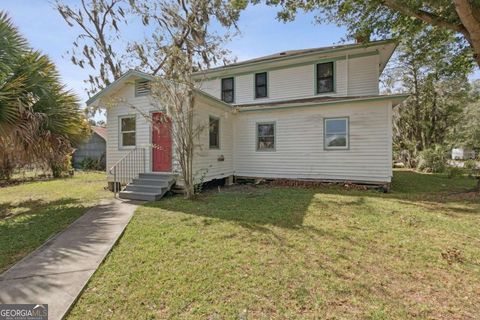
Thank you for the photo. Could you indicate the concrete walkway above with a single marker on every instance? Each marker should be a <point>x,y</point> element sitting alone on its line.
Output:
<point>57,272</point>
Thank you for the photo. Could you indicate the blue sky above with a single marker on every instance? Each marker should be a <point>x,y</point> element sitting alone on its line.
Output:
<point>261,34</point>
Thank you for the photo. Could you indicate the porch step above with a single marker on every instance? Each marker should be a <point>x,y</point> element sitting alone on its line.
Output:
<point>148,186</point>
<point>134,195</point>
<point>144,188</point>
<point>150,182</point>
<point>155,176</point>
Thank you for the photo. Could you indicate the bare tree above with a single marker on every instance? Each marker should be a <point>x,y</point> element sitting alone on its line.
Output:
<point>181,43</point>
<point>185,44</point>
<point>99,22</point>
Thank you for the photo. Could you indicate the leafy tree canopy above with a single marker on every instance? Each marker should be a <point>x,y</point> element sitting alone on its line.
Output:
<point>396,18</point>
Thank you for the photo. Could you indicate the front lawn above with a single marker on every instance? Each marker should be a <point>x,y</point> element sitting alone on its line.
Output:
<point>33,211</point>
<point>289,253</point>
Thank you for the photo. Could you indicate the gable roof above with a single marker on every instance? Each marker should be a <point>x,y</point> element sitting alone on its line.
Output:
<point>117,83</point>
<point>142,75</point>
<point>101,131</point>
<point>303,53</point>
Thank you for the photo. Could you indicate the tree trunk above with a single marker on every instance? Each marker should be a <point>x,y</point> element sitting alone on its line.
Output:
<point>190,186</point>
<point>433,120</point>
<point>467,10</point>
<point>469,14</point>
<point>416,95</point>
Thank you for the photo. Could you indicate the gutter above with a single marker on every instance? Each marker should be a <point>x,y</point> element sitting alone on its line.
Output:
<point>398,97</point>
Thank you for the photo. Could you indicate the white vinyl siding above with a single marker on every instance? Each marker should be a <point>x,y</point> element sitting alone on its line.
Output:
<point>299,145</point>
<point>143,105</point>
<point>363,76</point>
<point>213,163</point>
<point>206,165</point>
<point>359,78</point>
<point>299,148</point>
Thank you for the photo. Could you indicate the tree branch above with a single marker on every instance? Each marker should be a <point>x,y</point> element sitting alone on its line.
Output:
<point>427,17</point>
<point>471,21</point>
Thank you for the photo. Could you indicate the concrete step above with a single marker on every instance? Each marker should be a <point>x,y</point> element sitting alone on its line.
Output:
<point>156,176</point>
<point>150,182</point>
<point>145,188</point>
<point>148,186</point>
<point>134,195</point>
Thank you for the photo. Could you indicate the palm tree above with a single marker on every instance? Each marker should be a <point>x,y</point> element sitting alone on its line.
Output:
<point>40,119</point>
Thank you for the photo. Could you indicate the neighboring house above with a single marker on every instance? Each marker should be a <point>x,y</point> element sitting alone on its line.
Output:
<point>94,148</point>
<point>302,114</point>
<point>462,154</point>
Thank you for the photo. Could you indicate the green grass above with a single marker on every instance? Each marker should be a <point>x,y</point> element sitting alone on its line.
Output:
<point>33,211</point>
<point>291,253</point>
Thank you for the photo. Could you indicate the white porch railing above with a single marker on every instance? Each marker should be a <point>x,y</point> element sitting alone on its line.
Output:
<point>128,168</point>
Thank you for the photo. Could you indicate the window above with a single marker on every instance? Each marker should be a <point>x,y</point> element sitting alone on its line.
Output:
<point>228,93</point>
<point>127,131</point>
<point>336,133</point>
<point>142,87</point>
<point>261,85</point>
<point>266,136</point>
<point>214,133</point>
<point>325,77</point>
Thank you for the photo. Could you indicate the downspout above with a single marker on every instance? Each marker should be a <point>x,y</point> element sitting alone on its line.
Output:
<point>346,72</point>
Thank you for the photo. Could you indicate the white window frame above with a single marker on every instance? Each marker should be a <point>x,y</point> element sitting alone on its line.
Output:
<point>120,132</point>
<point>347,128</point>
<point>274,123</point>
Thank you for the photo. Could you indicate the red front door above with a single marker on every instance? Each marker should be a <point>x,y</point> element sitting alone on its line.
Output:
<point>162,143</point>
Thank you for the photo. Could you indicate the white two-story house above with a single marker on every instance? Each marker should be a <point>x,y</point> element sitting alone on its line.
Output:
<point>301,114</point>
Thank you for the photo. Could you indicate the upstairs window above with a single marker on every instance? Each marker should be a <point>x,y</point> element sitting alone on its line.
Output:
<point>142,87</point>
<point>214,133</point>
<point>261,85</point>
<point>266,136</point>
<point>336,133</point>
<point>325,77</point>
<point>228,92</point>
<point>127,131</point>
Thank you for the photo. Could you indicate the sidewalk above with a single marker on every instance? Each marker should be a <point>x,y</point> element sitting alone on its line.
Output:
<point>57,272</point>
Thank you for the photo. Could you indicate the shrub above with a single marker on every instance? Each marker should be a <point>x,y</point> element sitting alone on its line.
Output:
<point>62,166</point>
<point>470,167</point>
<point>93,164</point>
<point>432,160</point>
<point>89,164</point>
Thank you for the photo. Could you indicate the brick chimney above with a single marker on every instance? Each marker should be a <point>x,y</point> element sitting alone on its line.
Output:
<point>362,38</point>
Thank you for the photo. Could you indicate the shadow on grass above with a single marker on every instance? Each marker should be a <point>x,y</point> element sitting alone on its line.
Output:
<point>251,209</point>
<point>24,234</point>
<point>256,207</point>
<point>26,225</point>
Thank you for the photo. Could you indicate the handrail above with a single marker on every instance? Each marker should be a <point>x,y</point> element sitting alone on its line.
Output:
<point>128,168</point>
